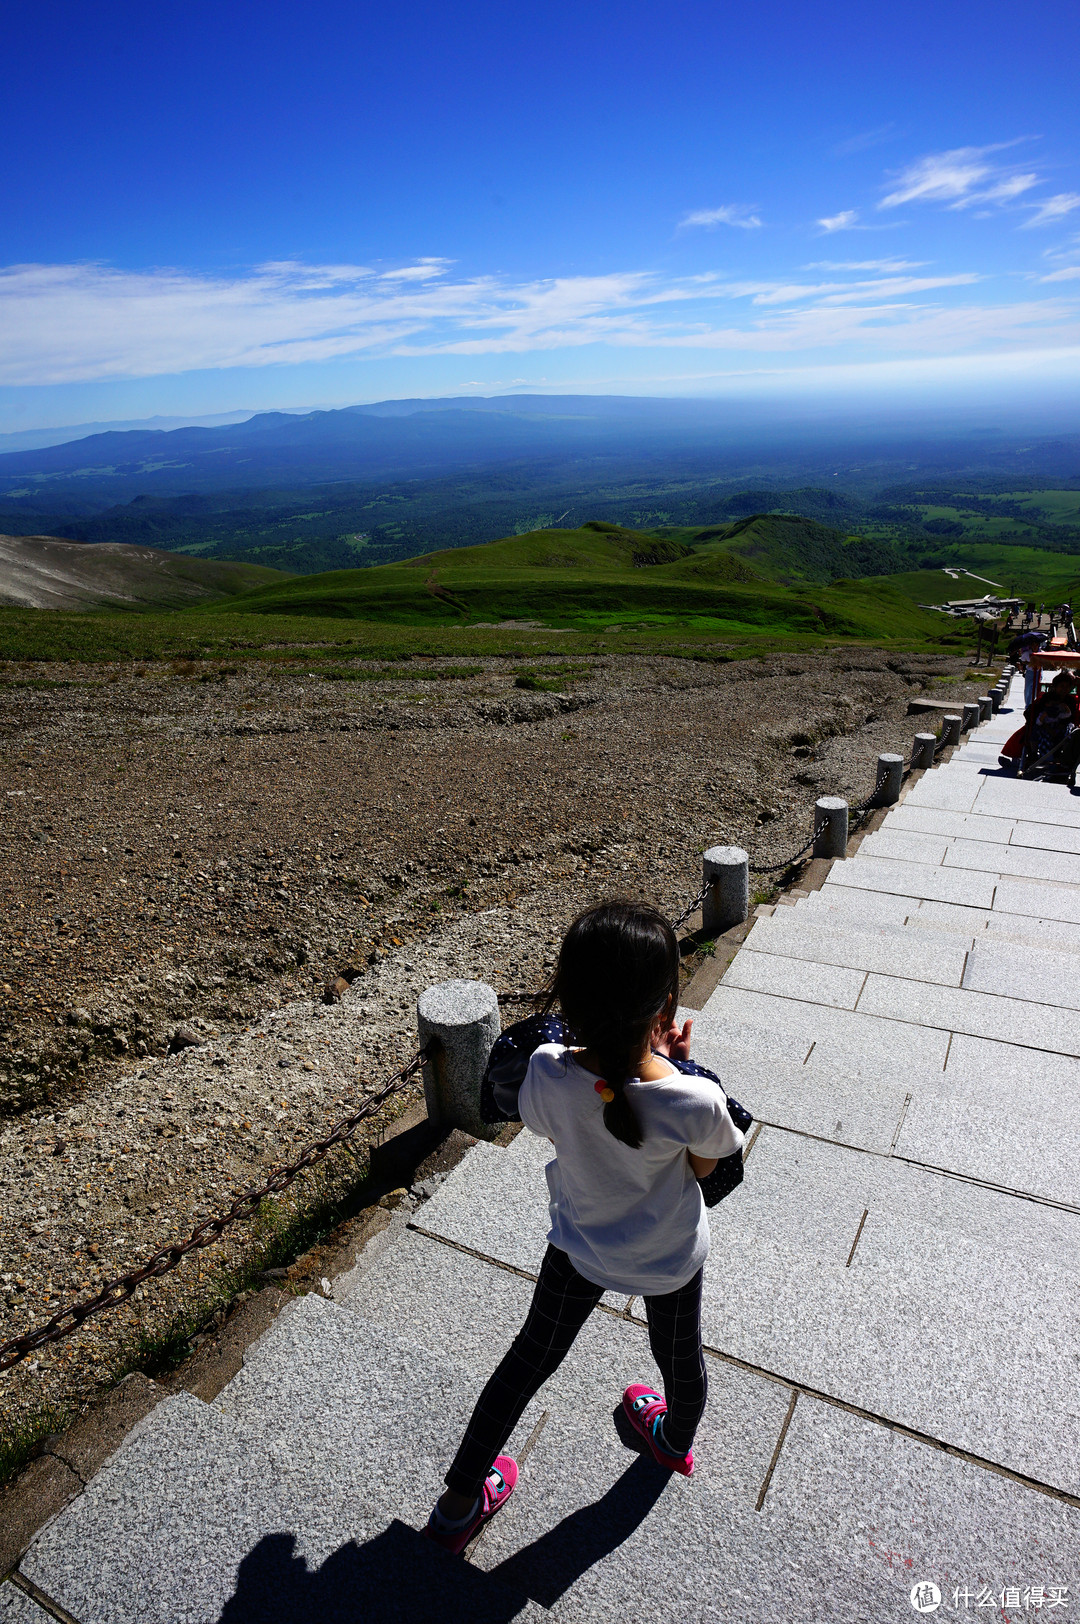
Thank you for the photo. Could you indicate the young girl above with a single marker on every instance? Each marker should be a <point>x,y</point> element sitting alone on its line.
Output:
<point>632,1135</point>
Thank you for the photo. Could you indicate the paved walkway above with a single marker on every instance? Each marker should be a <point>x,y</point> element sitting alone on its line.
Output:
<point>891,1306</point>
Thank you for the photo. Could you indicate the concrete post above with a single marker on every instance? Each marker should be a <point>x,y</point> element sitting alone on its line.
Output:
<point>460,1020</point>
<point>950,729</point>
<point>970,716</point>
<point>996,696</point>
<point>831,819</point>
<point>726,871</point>
<point>986,707</point>
<point>922,751</point>
<point>890,777</point>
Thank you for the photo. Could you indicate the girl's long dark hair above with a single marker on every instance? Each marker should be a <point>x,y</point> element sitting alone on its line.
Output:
<point>618,970</point>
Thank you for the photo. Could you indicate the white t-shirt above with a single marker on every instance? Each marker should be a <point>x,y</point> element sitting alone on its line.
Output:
<point>629,1220</point>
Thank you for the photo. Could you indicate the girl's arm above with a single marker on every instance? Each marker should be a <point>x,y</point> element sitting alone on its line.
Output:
<point>702,1165</point>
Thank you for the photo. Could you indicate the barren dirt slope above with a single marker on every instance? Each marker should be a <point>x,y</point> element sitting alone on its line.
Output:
<point>45,572</point>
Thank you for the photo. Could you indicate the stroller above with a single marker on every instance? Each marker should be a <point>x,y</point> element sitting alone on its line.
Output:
<point>1048,744</point>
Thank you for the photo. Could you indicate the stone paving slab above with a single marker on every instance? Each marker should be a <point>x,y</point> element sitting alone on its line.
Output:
<point>922,880</point>
<point>870,1513</point>
<point>854,1515</point>
<point>457,1300</point>
<point>906,846</point>
<point>1023,862</point>
<point>825,984</point>
<point>196,1505</point>
<point>813,1098</point>
<point>961,1126</point>
<point>1046,837</point>
<point>16,1607</point>
<point>878,907</point>
<point>916,1329</point>
<point>852,1041</point>
<point>1039,975</point>
<point>134,1545</point>
<point>1039,901</point>
<point>890,952</point>
<point>926,820</point>
<point>955,792</point>
<point>982,1015</point>
<point>1023,801</point>
<point>496,1202</point>
<point>596,1531</point>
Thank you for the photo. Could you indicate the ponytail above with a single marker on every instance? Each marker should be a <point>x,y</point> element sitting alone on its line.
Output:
<point>618,970</point>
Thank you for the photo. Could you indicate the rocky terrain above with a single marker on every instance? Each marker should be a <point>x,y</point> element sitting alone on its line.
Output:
<point>190,855</point>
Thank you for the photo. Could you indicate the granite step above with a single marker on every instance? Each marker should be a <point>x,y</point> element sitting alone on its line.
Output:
<point>296,1495</point>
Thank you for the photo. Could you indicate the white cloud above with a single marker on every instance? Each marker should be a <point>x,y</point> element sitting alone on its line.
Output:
<point>839,222</point>
<point>68,323</point>
<point>729,214</point>
<point>1053,209</point>
<point>1068,273</point>
<point>960,178</point>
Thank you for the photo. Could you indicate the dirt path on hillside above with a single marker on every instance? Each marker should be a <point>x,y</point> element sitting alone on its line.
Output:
<point>179,852</point>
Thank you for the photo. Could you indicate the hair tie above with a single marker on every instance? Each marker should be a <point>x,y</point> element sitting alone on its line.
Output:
<point>606,1094</point>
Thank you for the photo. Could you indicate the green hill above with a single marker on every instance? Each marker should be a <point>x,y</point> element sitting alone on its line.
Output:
<point>602,577</point>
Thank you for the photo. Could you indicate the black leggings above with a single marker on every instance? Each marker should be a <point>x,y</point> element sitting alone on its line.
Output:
<point>562,1302</point>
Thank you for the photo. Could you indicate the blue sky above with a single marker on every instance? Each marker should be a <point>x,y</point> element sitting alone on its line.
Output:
<point>254,205</point>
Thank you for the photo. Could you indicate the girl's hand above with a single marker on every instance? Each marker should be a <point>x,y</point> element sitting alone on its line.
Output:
<point>673,1043</point>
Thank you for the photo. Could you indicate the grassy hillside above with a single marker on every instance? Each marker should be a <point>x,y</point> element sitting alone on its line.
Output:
<point>604,579</point>
<point>1025,572</point>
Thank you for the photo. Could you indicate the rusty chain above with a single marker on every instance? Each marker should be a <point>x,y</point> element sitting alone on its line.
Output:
<point>245,1205</point>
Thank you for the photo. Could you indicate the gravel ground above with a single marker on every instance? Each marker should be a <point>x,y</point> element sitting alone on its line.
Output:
<point>187,863</point>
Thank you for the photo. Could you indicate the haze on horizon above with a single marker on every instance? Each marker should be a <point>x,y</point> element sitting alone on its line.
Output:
<point>255,207</point>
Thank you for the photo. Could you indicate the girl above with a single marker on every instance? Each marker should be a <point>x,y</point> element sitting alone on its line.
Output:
<point>632,1135</point>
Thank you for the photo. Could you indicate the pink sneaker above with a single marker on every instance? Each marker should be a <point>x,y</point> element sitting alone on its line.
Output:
<point>644,1410</point>
<point>498,1487</point>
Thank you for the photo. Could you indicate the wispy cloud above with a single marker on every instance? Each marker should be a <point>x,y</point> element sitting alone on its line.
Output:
<point>960,178</point>
<point>67,323</point>
<point>728,214</point>
<point>866,265</point>
<point>1067,273</point>
<point>1053,209</point>
<point>425,270</point>
<point>840,222</point>
<point>867,138</point>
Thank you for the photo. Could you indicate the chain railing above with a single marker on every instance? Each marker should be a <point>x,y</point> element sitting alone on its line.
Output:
<point>243,1207</point>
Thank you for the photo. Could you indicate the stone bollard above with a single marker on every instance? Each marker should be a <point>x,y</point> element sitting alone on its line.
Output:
<point>950,729</point>
<point>890,778</point>
<point>996,696</point>
<point>831,821</point>
<point>922,751</point>
<point>726,871</point>
<point>460,1020</point>
<point>970,716</point>
<point>986,707</point>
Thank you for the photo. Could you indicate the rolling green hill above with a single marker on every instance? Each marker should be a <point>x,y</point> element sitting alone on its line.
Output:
<point>603,578</point>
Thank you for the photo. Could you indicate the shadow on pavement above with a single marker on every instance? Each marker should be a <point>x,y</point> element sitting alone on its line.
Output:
<point>399,1576</point>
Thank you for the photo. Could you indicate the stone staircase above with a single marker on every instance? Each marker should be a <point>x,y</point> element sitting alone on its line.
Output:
<point>891,1309</point>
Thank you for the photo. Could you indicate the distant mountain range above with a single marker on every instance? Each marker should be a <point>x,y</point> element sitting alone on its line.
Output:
<point>426,439</point>
<point>371,484</point>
